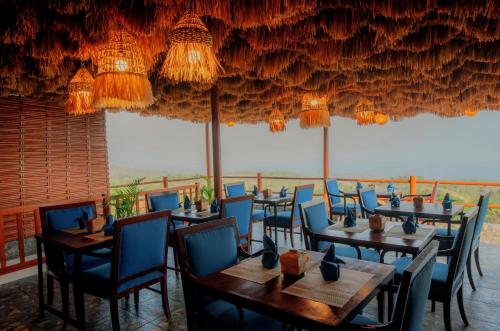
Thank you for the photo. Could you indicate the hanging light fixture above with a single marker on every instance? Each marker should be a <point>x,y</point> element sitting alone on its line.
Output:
<point>190,56</point>
<point>230,124</point>
<point>80,93</point>
<point>470,112</point>
<point>381,118</point>
<point>364,112</point>
<point>314,112</point>
<point>276,121</point>
<point>121,80</point>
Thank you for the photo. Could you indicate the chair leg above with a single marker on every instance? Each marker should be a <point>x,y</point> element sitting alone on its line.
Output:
<point>291,237</point>
<point>469,273</point>
<point>478,266</point>
<point>176,262</point>
<point>284,234</point>
<point>136,297</point>
<point>65,299</point>
<point>447,315</point>
<point>115,321</point>
<point>50,290</point>
<point>164,297</point>
<point>460,299</point>
<point>380,306</point>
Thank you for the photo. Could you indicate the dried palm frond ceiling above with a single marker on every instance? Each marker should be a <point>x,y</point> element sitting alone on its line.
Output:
<point>406,57</point>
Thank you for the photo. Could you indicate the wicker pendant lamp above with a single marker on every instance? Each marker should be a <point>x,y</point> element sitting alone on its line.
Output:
<point>80,93</point>
<point>190,57</point>
<point>121,80</point>
<point>230,124</point>
<point>381,118</point>
<point>315,112</point>
<point>470,112</point>
<point>364,112</point>
<point>276,121</point>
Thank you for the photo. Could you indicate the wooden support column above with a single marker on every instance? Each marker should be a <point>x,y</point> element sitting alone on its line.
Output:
<point>216,141</point>
<point>326,163</point>
<point>207,150</point>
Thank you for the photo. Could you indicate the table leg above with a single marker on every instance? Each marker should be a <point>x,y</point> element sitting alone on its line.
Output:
<point>449,228</point>
<point>276,224</point>
<point>40,277</point>
<point>381,303</point>
<point>77,292</point>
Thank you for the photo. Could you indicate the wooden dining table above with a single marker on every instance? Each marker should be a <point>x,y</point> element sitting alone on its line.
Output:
<point>269,299</point>
<point>193,216</point>
<point>382,194</point>
<point>273,201</point>
<point>429,211</point>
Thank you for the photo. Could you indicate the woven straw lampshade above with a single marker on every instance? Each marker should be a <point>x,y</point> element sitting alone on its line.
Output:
<point>470,112</point>
<point>230,124</point>
<point>381,118</point>
<point>191,57</point>
<point>80,93</point>
<point>364,112</point>
<point>315,112</point>
<point>276,121</point>
<point>121,80</point>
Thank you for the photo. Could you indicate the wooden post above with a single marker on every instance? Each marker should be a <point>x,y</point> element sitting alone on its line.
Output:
<point>196,191</point>
<point>165,182</point>
<point>325,161</point>
<point>207,150</point>
<point>259,181</point>
<point>216,141</point>
<point>413,185</point>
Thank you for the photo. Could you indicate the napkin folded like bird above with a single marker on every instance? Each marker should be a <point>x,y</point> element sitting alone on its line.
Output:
<point>187,203</point>
<point>390,188</point>
<point>447,202</point>
<point>109,227</point>
<point>283,192</point>
<point>410,225</point>
<point>329,267</point>
<point>82,220</point>
<point>214,206</point>
<point>255,190</point>
<point>359,186</point>
<point>395,201</point>
<point>270,256</point>
<point>350,218</point>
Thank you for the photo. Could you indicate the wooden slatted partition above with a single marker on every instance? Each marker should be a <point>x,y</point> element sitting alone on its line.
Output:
<point>45,157</point>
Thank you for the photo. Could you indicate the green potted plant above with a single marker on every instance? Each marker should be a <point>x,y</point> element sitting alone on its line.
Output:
<point>124,203</point>
<point>207,194</point>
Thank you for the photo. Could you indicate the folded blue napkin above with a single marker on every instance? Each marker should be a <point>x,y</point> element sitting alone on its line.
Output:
<point>395,201</point>
<point>214,206</point>
<point>82,220</point>
<point>391,188</point>
<point>350,218</point>
<point>410,225</point>
<point>283,192</point>
<point>329,267</point>
<point>447,202</point>
<point>255,190</point>
<point>187,203</point>
<point>270,256</point>
<point>359,186</point>
<point>109,227</point>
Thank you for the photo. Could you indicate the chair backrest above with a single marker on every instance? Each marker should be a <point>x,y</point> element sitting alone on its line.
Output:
<point>140,246</point>
<point>59,217</point>
<point>207,247</point>
<point>368,199</point>
<point>461,247</point>
<point>313,215</point>
<point>241,209</point>
<point>332,187</point>
<point>435,193</point>
<point>302,194</point>
<point>414,290</point>
<point>162,201</point>
<point>234,189</point>
<point>483,203</point>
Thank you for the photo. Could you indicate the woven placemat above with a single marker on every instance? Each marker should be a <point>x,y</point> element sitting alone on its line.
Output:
<point>75,231</point>
<point>251,269</point>
<point>361,226</point>
<point>333,293</point>
<point>397,231</point>
<point>99,236</point>
<point>205,213</point>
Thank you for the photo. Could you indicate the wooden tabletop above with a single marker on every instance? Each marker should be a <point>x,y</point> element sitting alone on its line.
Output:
<point>380,194</point>
<point>274,199</point>
<point>268,299</point>
<point>192,216</point>
<point>77,241</point>
<point>434,211</point>
<point>376,239</point>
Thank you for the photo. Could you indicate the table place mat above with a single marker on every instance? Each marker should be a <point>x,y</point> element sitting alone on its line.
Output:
<point>205,213</point>
<point>333,293</point>
<point>75,231</point>
<point>251,269</point>
<point>361,226</point>
<point>397,231</point>
<point>99,236</point>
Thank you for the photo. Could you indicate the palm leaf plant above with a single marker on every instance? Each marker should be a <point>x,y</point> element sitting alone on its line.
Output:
<point>124,204</point>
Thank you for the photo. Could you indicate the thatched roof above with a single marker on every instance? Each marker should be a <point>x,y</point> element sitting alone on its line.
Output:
<point>407,56</point>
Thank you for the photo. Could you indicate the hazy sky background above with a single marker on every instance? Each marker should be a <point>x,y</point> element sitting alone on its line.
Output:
<point>427,145</point>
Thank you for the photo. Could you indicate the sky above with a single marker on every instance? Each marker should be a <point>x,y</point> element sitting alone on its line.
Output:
<point>426,145</point>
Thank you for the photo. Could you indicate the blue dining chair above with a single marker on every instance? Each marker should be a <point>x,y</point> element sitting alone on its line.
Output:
<point>241,209</point>
<point>314,219</point>
<point>139,260</point>
<point>237,190</point>
<point>409,311</point>
<point>368,201</point>
<point>337,200</point>
<point>290,219</point>
<point>447,278</point>
<point>166,200</point>
<point>60,264</point>
<point>205,249</point>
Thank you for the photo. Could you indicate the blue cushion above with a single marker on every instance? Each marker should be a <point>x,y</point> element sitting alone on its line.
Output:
<point>369,198</point>
<point>443,232</point>
<point>88,261</point>
<point>481,217</point>
<point>332,187</point>
<point>315,217</point>
<point>177,226</point>
<point>400,265</point>
<point>339,208</point>
<point>241,210</point>
<point>211,250</point>
<point>235,190</point>
<point>164,201</point>
<point>364,320</point>
<point>258,214</point>
<point>283,219</point>
<point>348,251</point>
<point>60,219</point>
<point>370,255</point>
<point>302,195</point>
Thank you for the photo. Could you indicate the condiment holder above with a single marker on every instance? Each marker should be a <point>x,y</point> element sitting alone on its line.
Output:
<point>201,205</point>
<point>418,202</point>
<point>267,193</point>
<point>95,225</point>
<point>294,262</point>
<point>376,222</point>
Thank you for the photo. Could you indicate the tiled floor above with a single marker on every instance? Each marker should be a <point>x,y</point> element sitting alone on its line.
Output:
<point>19,308</point>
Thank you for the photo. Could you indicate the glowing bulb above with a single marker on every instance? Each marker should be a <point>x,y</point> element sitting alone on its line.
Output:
<point>121,65</point>
<point>314,102</point>
<point>194,56</point>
